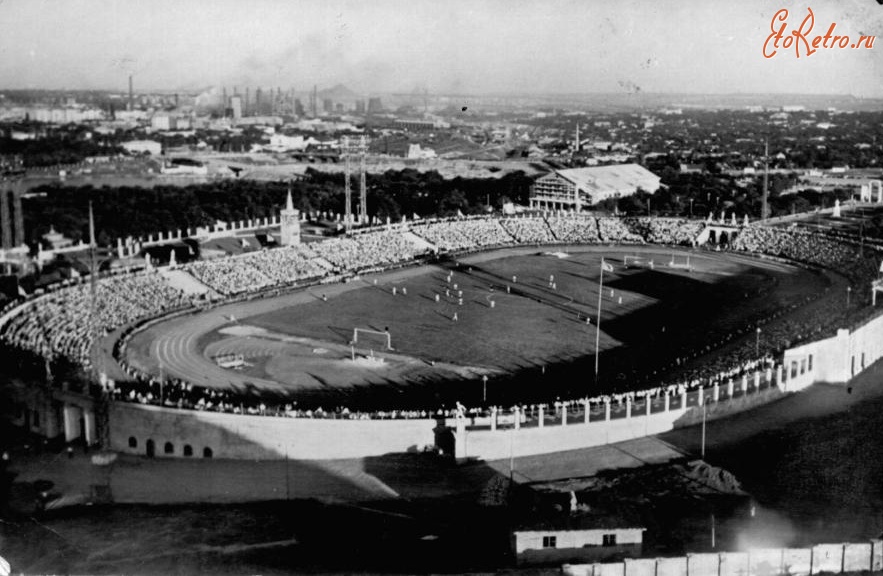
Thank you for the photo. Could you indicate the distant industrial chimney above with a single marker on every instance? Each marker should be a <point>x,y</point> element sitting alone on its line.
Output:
<point>315,100</point>
<point>576,143</point>
<point>765,206</point>
<point>131,94</point>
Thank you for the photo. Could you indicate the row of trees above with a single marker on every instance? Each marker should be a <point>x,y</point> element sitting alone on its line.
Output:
<point>134,211</point>
<point>56,149</point>
<point>131,211</point>
<point>695,195</point>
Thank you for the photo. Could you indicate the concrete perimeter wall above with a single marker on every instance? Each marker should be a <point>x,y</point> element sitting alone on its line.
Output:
<point>828,558</point>
<point>841,357</point>
<point>833,360</point>
<point>261,437</point>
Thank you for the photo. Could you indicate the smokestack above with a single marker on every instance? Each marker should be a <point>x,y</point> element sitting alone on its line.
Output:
<point>131,94</point>
<point>765,207</point>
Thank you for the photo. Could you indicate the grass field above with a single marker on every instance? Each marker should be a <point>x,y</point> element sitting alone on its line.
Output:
<point>533,332</point>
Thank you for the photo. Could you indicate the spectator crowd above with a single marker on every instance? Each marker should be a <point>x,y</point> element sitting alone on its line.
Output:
<point>60,322</point>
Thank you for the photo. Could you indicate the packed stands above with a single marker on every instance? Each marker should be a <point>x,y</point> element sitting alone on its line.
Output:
<point>528,230</point>
<point>574,229</point>
<point>668,231</point>
<point>229,276</point>
<point>809,248</point>
<point>458,235</point>
<point>616,231</point>
<point>59,322</point>
<point>367,250</point>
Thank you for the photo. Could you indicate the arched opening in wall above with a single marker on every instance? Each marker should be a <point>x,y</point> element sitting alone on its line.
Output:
<point>724,238</point>
<point>206,452</point>
<point>169,448</point>
<point>133,442</point>
<point>150,450</point>
<point>712,237</point>
<point>188,450</point>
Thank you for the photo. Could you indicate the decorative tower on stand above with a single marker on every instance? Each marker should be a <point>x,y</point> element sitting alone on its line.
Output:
<point>290,219</point>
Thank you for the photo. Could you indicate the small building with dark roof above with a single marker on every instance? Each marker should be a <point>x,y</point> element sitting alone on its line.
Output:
<point>582,534</point>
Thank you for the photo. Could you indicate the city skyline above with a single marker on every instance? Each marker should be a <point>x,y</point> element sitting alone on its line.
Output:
<point>489,47</point>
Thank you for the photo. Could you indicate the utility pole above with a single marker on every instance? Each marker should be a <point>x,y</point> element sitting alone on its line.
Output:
<point>703,424</point>
<point>757,343</point>
<point>598,321</point>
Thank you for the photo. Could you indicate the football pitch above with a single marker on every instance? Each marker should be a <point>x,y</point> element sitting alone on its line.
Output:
<point>525,319</point>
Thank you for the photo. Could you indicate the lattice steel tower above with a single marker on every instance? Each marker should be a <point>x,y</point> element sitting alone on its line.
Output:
<point>347,188</point>
<point>349,148</point>
<point>363,189</point>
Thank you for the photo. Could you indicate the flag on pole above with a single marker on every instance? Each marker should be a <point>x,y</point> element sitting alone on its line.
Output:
<point>606,266</point>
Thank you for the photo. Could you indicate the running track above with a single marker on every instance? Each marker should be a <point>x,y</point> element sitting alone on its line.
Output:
<point>175,348</point>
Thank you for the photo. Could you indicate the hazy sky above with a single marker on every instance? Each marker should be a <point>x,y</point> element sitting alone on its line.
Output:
<point>463,46</point>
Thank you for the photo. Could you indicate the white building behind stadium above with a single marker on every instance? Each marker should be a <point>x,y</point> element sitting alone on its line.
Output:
<point>573,188</point>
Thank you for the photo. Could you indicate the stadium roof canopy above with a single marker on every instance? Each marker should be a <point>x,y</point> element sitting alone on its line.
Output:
<point>605,179</point>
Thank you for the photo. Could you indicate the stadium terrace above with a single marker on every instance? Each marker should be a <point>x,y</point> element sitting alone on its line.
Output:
<point>55,324</point>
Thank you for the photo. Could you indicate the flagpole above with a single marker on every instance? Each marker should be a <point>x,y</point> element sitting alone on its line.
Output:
<point>598,321</point>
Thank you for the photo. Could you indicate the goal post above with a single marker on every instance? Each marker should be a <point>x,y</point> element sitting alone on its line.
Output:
<point>629,260</point>
<point>681,264</point>
<point>386,338</point>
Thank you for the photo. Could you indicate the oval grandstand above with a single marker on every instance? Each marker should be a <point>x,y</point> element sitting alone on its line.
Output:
<point>57,323</point>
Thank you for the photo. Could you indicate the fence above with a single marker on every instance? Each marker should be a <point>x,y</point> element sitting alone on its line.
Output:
<point>821,558</point>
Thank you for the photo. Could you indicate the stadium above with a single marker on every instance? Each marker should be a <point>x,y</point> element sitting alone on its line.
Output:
<point>476,338</point>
